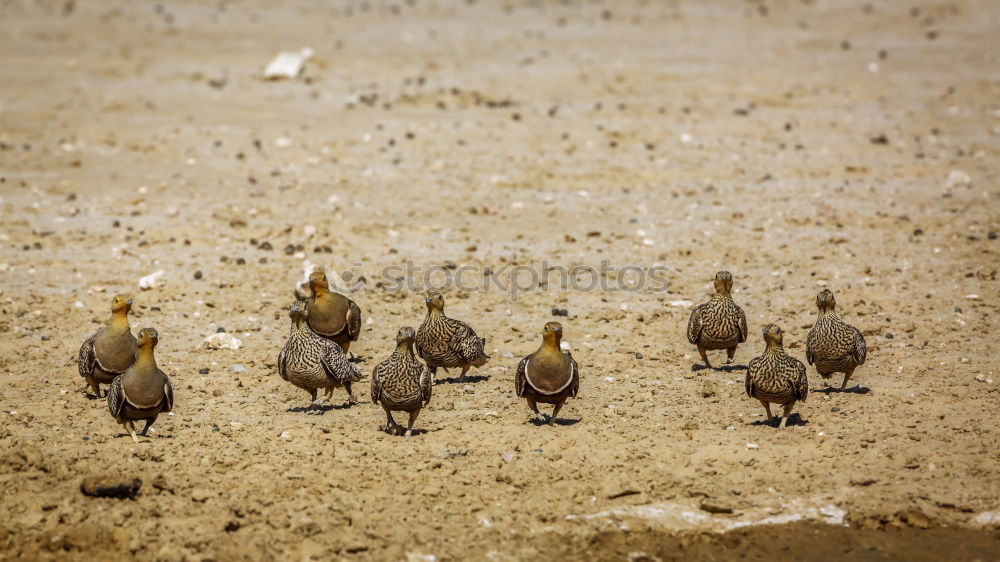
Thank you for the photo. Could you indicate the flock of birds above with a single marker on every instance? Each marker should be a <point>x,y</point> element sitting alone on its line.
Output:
<point>324,323</point>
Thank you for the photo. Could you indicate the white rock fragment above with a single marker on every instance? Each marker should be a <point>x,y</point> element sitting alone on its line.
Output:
<point>752,446</point>
<point>681,303</point>
<point>222,340</point>
<point>957,178</point>
<point>78,304</point>
<point>152,280</point>
<point>309,231</point>
<point>287,64</point>
<point>239,368</point>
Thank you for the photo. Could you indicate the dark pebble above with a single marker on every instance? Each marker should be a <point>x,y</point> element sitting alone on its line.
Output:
<point>45,338</point>
<point>888,335</point>
<point>203,371</point>
<point>215,429</point>
<point>265,246</point>
<point>834,409</point>
<point>197,274</point>
<point>638,355</point>
<point>918,232</point>
<point>289,249</point>
<point>262,260</point>
<point>224,259</point>
<point>241,261</point>
<point>220,330</point>
<point>992,235</point>
<point>560,312</point>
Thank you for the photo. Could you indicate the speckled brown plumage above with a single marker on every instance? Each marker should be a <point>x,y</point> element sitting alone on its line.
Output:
<point>111,350</point>
<point>718,323</point>
<point>833,345</point>
<point>332,315</point>
<point>446,342</point>
<point>548,375</point>
<point>776,378</point>
<point>401,383</point>
<point>143,391</point>
<point>310,362</point>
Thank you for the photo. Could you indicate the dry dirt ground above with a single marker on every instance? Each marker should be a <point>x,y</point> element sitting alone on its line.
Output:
<point>800,145</point>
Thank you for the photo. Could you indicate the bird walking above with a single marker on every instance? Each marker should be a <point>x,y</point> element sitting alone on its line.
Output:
<point>401,383</point>
<point>548,375</point>
<point>775,378</point>
<point>719,323</point>
<point>331,314</point>
<point>833,345</point>
<point>445,342</point>
<point>143,391</point>
<point>111,350</point>
<point>311,362</point>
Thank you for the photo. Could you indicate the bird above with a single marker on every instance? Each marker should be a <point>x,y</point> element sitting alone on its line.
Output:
<point>833,345</point>
<point>311,362</point>
<point>549,375</point>
<point>445,342</point>
<point>401,383</point>
<point>111,350</point>
<point>718,323</point>
<point>143,391</point>
<point>331,314</point>
<point>775,378</point>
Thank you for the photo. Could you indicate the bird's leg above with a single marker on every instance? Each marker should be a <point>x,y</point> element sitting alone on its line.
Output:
<point>312,400</point>
<point>328,393</point>
<point>465,369</point>
<point>351,400</point>
<point>555,412</point>
<point>730,353</point>
<point>149,424</point>
<point>390,424</point>
<point>704,356</point>
<point>767,408</point>
<point>409,425</point>
<point>130,427</point>
<point>94,386</point>
<point>784,415</point>
<point>534,408</point>
<point>847,377</point>
<point>346,346</point>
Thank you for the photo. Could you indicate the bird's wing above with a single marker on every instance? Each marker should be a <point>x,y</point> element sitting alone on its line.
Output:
<point>520,377</point>
<point>426,384</point>
<point>281,364</point>
<point>801,381</point>
<point>87,358</point>
<point>336,364</point>
<point>376,385</point>
<point>465,342</point>
<point>353,321</point>
<point>751,367</point>
<point>694,324</point>
<point>116,398</point>
<point>575,385</point>
<point>168,394</point>
<point>809,345</point>
<point>860,347</point>
<point>742,324</point>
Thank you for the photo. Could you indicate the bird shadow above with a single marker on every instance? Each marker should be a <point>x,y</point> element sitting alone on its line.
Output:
<point>416,432</point>
<point>559,421</point>
<point>319,410</point>
<point>458,380</point>
<point>725,368</point>
<point>856,389</point>
<point>793,419</point>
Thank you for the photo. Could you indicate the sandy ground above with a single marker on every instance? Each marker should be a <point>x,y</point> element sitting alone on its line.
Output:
<point>797,144</point>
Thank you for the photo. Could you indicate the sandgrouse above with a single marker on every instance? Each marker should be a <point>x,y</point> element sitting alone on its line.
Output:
<point>774,377</point>
<point>111,350</point>
<point>310,362</point>
<point>401,383</point>
<point>548,375</point>
<point>332,315</point>
<point>718,323</point>
<point>833,345</point>
<point>445,342</point>
<point>143,391</point>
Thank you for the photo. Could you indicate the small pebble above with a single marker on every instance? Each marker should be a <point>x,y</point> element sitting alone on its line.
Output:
<point>197,274</point>
<point>203,371</point>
